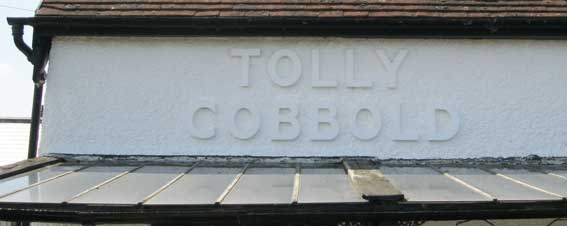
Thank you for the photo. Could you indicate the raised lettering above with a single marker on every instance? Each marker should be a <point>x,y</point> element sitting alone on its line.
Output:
<point>450,129</point>
<point>392,66</point>
<point>362,133</point>
<point>245,55</point>
<point>202,133</point>
<point>351,81</point>
<point>295,73</point>
<point>401,134</point>
<point>330,120</point>
<point>250,131</point>
<point>292,130</point>
<point>316,80</point>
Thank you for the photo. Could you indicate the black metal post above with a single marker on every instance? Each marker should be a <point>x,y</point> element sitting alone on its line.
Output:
<point>35,120</point>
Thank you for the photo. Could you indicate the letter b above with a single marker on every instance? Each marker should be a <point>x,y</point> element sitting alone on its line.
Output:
<point>293,129</point>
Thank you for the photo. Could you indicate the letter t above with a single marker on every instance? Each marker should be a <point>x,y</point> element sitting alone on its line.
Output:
<point>245,55</point>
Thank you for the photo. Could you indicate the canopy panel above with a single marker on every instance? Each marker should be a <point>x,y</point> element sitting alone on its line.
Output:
<point>203,187</point>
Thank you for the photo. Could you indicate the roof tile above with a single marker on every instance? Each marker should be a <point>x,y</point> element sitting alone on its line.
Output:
<point>310,8</point>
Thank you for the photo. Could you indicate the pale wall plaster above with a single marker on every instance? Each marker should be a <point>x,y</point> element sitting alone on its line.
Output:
<point>135,96</point>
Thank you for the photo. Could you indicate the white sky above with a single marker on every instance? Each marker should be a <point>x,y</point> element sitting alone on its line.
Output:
<point>16,87</point>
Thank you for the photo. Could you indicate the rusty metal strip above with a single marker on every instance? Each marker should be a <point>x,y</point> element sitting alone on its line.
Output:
<point>177,178</point>
<point>296,185</point>
<point>229,188</point>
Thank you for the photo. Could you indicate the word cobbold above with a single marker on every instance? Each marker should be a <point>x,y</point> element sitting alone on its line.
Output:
<point>285,120</point>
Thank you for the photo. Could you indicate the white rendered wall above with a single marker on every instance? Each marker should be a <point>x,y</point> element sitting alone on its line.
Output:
<point>430,98</point>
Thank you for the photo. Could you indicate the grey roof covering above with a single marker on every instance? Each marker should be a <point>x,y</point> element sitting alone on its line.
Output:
<point>314,8</point>
<point>204,182</point>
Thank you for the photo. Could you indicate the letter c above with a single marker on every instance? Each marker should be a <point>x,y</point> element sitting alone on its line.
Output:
<point>202,133</point>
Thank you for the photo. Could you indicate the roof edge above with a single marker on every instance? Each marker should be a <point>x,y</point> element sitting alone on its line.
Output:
<point>508,27</point>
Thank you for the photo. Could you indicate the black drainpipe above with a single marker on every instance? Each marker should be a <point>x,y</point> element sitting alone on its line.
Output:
<point>38,57</point>
<point>18,34</point>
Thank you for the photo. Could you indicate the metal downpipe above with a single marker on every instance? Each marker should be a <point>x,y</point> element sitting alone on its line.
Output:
<point>18,35</point>
<point>37,56</point>
<point>35,120</point>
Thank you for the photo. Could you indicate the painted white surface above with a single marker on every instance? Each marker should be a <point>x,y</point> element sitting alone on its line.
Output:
<point>137,96</point>
<point>14,139</point>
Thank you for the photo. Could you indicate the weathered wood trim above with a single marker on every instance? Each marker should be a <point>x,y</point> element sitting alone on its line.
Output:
<point>370,182</point>
<point>27,165</point>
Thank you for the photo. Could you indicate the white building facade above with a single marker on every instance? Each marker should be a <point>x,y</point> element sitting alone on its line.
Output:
<point>248,112</point>
<point>286,96</point>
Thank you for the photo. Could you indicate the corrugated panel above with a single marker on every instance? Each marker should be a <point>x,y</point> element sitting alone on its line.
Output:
<point>24,180</point>
<point>497,187</point>
<point>67,187</point>
<point>544,183</point>
<point>263,186</point>
<point>13,142</point>
<point>419,184</point>
<point>133,187</point>
<point>281,184</point>
<point>326,185</point>
<point>558,173</point>
<point>200,186</point>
